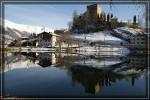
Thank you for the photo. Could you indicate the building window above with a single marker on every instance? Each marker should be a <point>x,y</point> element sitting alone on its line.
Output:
<point>142,42</point>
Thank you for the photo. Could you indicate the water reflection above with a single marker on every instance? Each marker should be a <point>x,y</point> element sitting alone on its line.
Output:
<point>89,74</point>
<point>93,79</point>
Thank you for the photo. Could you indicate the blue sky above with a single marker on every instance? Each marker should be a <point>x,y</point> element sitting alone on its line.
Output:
<point>57,16</point>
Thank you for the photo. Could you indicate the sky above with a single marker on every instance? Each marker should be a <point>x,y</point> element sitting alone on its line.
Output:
<point>57,16</point>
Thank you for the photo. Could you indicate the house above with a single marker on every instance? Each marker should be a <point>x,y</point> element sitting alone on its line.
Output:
<point>139,41</point>
<point>46,39</point>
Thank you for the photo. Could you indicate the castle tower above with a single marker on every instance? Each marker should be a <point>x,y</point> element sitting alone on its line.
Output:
<point>93,11</point>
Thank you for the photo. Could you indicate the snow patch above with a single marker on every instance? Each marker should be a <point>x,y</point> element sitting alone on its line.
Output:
<point>100,36</point>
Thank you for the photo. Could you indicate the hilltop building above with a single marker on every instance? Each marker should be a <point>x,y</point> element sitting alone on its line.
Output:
<point>94,19</point>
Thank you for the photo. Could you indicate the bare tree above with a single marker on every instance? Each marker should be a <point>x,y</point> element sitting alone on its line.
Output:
<point>75,14</point>
<point>69,25</point>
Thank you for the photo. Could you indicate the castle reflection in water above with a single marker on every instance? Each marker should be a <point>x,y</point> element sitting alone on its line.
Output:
<point>92,71</point>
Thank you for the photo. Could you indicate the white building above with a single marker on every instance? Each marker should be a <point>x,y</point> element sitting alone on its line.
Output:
<point>46,39</point>
<point>139,40</point>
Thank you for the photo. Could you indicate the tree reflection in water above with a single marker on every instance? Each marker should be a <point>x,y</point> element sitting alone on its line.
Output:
<point>94,79</point>
<point>92,72</point>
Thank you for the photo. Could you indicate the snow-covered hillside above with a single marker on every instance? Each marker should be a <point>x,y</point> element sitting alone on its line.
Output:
<point>24,30</point>
<point>27,28</point>
<point>14,31</point>
<point>100,36</point>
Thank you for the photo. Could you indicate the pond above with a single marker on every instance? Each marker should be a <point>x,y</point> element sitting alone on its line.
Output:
<point>46,74</point>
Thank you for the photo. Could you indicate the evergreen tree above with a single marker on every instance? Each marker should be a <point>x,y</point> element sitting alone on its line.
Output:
<point>101,15</point>
<point>134,19</point>
<point>111,15</point>
<point>104,17</point>
<point>108,19</point>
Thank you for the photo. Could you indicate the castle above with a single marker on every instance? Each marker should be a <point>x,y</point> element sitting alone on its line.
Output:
<point>94,19</point>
